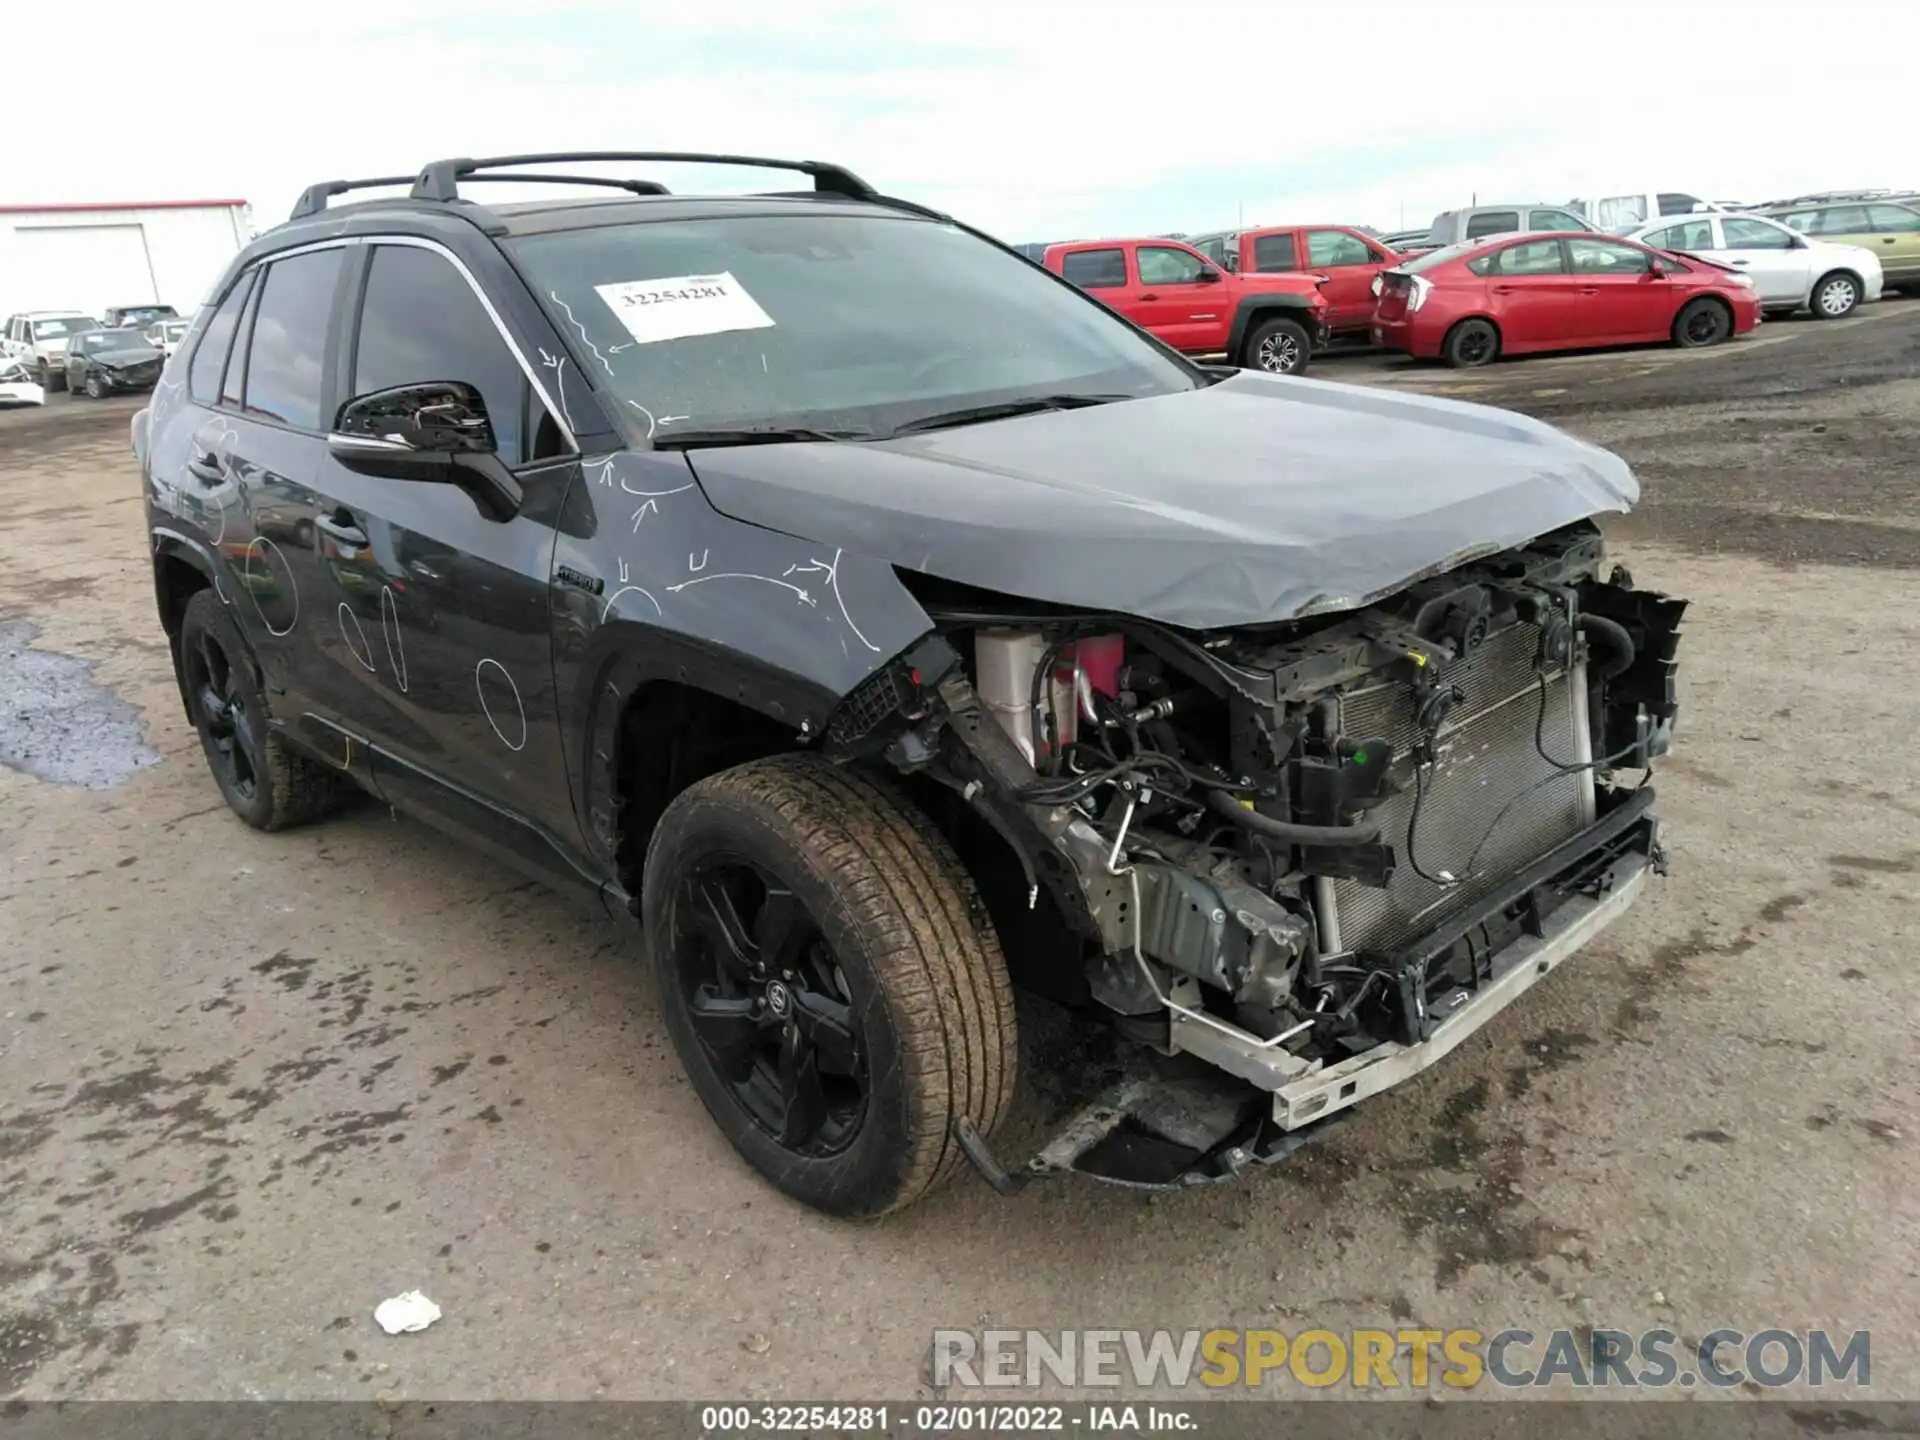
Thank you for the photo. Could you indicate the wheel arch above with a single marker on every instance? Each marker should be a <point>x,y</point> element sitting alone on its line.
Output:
<point>1255,308</point>
<point>181,569</point>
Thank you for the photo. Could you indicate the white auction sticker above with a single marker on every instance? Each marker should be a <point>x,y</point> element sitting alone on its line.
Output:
<point>682,305</point>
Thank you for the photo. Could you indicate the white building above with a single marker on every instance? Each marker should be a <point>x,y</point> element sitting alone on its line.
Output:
<point>87,257</point>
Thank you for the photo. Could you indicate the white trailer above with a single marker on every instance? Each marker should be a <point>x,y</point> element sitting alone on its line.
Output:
<point>89,256</point>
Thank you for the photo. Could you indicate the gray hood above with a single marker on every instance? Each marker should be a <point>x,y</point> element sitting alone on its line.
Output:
<point>1257,499</point>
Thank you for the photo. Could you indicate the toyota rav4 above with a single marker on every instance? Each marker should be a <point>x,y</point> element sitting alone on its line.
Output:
<point>880,622</point>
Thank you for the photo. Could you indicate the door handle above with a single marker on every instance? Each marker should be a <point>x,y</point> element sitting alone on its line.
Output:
<point>343,530</point>
<point>423,570</point>
<point>1887,240</point>
<point>1505,289</point>
<point>1151,296</point>
<point>1589,290</point>
<point>1739,262</point>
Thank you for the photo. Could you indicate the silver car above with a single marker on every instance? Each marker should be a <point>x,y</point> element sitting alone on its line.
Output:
<point>1790,271</point>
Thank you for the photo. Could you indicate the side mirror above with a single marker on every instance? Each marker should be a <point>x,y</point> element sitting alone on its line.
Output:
<point>1208,275</point>
<point>437,431</point>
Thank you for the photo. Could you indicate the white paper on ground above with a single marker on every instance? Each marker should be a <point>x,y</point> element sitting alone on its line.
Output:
<point>677,306</point>
<point>411,1311</point>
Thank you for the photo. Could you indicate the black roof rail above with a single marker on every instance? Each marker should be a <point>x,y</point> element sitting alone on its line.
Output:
<point>441,179</point>
<point>314,198</point>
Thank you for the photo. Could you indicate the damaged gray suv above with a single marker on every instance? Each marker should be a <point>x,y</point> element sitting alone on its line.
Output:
<point>884,625</point>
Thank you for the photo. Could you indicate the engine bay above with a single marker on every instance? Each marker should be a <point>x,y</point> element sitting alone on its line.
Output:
<point>1301,840</point>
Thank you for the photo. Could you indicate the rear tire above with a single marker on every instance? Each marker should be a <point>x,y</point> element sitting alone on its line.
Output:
<point>266,784</point>
<point>1279,347</point>
<point>830,979</point>
<point>1471,344</point>
<point>1836,296</point>
<point>1702,322</point>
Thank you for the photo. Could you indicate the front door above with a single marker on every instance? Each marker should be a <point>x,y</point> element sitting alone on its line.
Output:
<point>440,608</point>
<point>1766,254</point>
<point>1620,297</point>
<point>1174,303</point>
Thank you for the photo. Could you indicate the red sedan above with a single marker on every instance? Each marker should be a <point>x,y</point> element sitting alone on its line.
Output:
<point>1520,294</point>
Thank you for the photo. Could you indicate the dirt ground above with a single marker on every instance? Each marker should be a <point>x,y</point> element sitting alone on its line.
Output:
<point>254,1084</point>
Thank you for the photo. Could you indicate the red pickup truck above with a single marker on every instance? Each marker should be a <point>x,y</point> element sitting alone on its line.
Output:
<point>1261,322</point>
<point>1345,258</point>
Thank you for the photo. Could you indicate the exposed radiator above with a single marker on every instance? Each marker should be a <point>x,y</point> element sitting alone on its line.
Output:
<point>1485,757</point>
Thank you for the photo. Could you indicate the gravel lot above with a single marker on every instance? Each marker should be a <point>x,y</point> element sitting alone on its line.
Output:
<point>255,1084</point>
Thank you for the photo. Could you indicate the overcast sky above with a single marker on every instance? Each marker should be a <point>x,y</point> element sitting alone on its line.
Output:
<point>1042,120</point>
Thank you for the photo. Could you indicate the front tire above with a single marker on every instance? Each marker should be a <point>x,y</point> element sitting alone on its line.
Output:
<point>96,387</point>
<point>830,979</point>
<point>1471,344</point>
<point>1279,347</point>
<point>51,379</point>
<point>266,784</point>
<point>1702,322</point>
<point>1836,296</point>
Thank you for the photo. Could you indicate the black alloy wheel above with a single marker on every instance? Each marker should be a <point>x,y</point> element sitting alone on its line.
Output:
<point>770,1006</point>
<point>229,730</point>
<point>1702,322</point>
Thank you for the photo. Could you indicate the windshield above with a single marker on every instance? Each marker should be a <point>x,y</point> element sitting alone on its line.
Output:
<point>111,340</point>
<point>834,322</point>
<point>141,314</point>
<point>63,325</point>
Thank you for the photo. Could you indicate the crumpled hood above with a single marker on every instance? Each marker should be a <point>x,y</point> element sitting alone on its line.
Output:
<point>1258,499</point>
<point>127,356</point>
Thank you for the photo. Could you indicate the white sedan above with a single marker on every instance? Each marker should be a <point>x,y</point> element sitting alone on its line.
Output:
<point>1790,271</point>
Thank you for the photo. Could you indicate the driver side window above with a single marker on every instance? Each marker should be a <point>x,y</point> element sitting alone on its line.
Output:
<point>1163,265</point>
<point>420,321</point>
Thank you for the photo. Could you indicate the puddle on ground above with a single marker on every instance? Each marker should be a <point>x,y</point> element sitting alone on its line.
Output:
<point>57,723</point>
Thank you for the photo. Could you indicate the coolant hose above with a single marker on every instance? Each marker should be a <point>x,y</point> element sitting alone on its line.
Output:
<point>1614,637</point>
<point>1224,805</point>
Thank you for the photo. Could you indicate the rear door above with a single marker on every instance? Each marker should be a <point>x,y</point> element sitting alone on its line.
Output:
<point>1532,294</point>
<point>1102,273</point>
<point>1275,252</point>
<point>1781,271</point>
<point>1618,297</point>
<point>1896,237</point>
<point>1349,263</point>
<point>1174,303</point>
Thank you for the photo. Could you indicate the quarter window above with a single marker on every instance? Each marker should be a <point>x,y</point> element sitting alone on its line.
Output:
<point>210,355</point>
<point>1274,253</point>
<point>1492,222</point>
<point>1755,235</point>
<point>1336,247</point>
<point>1095,269</point>
<point>286,357</point>
<point>420,322</point>
<point>1163,265</point>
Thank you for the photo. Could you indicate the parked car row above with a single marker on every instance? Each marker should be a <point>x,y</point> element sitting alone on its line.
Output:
<point>71,350</point>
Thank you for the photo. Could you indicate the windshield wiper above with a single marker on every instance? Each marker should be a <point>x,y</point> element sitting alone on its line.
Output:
<point>751,435</point>
<point>1005,410</point>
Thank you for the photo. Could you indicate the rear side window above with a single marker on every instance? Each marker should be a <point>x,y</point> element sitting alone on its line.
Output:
<point>1892,219</point>
<point>1695,235</point>
<point>1621,212</point>
<point>1755,235</point>
<point>419,322</point>
<point>1842,220</point>
<point>210,356</point>
<point>1606,257</point>
<point>1336,247</point>
<point>1492,222</point>
<point>1095,269</point>
<point>1554,220</point>
<point>286,359</point>
<point>1273,253</point>
<point>1536,257</point>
